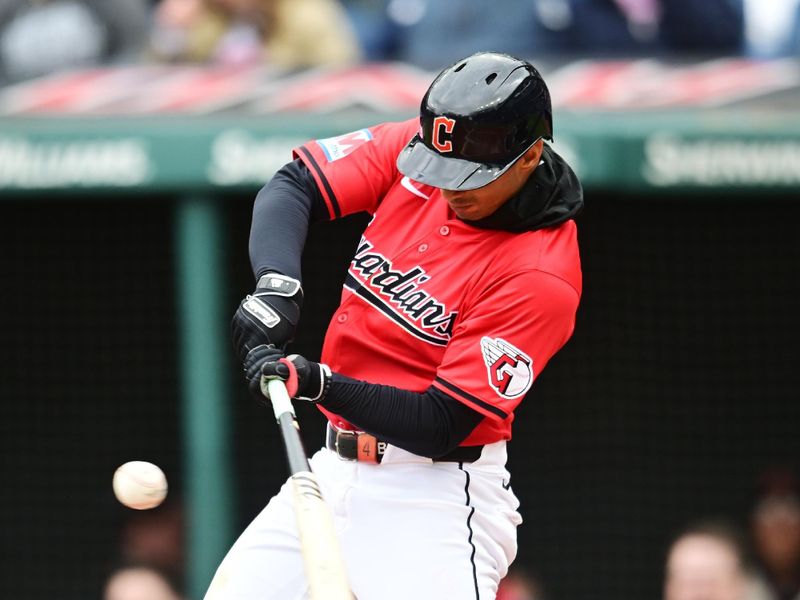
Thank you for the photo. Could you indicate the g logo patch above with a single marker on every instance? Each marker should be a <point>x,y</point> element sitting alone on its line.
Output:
<point>510,370</point>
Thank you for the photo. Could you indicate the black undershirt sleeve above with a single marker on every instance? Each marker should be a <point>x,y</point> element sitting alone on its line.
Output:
<point>429,424</point>
<point>281,214</point>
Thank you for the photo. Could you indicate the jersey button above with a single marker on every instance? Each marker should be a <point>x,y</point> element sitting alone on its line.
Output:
<point>422,248</point>
<point>342,317</point>
<point>444,230</point>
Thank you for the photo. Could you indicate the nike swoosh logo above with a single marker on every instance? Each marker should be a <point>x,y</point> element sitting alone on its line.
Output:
<point>406,183</point>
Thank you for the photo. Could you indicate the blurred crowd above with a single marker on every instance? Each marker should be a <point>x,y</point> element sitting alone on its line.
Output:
<point>715,560</point>
<point>750,557</point>
<point>38,37</point>
<point>720,558</point>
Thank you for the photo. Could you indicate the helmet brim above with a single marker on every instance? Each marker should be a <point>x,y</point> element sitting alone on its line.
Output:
<point>427,166</point>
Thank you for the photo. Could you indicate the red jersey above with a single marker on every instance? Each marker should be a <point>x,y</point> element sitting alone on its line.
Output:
<point>431,300</point>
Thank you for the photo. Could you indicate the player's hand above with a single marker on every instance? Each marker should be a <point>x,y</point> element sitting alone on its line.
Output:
<point>269,315</point>
<point>305,380</point>
<point>254,361</point>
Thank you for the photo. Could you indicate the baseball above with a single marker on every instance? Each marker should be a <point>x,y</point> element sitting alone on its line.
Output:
<point>140,485</point>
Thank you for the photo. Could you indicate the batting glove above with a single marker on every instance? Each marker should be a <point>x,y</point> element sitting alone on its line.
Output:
<point>253,361</point>
<point>269,315</point>
<point>305,380</point>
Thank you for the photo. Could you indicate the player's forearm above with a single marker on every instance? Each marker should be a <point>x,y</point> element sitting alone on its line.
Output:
<point>428,424</point>
<point>281,214</point>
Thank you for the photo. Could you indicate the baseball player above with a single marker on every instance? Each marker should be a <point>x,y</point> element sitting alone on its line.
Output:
<point>464,284</point>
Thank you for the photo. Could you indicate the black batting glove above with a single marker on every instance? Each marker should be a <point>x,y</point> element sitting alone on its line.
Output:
<point>269,315</point>
<point>254,361</point>
<point>305,380</point>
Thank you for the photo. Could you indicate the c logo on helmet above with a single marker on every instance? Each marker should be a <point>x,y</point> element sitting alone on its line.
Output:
<point>442,125</point>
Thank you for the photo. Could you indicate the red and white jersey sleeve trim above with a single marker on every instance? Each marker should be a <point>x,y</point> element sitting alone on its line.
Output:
<point>356,170</point>
<point>334,210</point>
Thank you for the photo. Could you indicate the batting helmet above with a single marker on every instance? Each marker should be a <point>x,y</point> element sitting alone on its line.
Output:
<point>478,117</point>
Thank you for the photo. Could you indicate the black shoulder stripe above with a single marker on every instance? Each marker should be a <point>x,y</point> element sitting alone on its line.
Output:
<point>337,211</point>
<point>474,399</point>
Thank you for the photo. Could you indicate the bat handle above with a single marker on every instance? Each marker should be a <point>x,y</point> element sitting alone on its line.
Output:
<point>325,568</point>
<point>275,390</point>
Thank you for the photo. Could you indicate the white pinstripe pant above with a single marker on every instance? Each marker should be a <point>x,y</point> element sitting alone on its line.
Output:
<point>409,529</point>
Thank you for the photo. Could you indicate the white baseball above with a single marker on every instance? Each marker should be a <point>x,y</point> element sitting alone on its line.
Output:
<point>140,485</point>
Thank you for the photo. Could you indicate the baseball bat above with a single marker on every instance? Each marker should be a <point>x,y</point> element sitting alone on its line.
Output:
<point>324,565</point>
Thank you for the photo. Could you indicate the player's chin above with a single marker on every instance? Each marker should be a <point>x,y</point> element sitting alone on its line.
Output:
<point>463,210</point>
<point>467,212</point>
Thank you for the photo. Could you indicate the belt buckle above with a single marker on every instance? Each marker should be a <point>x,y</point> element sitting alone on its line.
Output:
<point>359,446</point>
<point>346,440</point>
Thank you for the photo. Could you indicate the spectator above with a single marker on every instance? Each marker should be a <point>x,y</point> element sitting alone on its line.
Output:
<point>598,27</point>
<point>139,582</point>
<point>773,28</point>
<point>432,34</point>
<point>288,34</point>
<point>45,36</point>
<point>775,523</point>
<point>518,585</point>
<point>709,27</point>
<point>377,34</point>
<point>707,562</point>
<point>156,538</point>
<point>633,27</point>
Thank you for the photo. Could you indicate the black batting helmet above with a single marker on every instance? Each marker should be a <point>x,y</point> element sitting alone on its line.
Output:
<point>478,117</point>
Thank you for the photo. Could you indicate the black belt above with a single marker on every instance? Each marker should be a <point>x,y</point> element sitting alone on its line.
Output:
<point>364,447</point>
